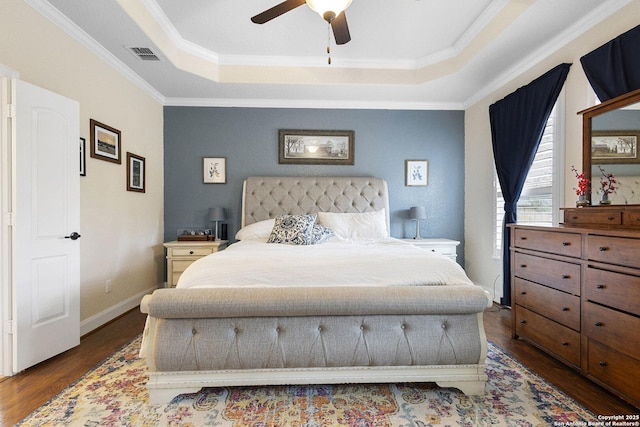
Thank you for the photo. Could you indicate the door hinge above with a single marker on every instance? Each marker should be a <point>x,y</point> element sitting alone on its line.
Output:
<point>11,327</point>
<point>11,110</point>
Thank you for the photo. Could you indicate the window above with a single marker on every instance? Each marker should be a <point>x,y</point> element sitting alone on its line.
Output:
<point>539,202</point>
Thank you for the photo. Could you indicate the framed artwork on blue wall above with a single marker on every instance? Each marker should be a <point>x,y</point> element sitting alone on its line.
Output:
<point>214,170</point>
<point>323,147</point>
<point>416,173</point>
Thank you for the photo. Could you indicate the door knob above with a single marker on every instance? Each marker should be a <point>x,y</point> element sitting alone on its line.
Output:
<point>73,236</point>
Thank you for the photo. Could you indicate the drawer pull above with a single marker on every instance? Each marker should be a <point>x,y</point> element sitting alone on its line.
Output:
<point>564,343</point>
<point>523,321</point>
<point>611,218</point>
<point>566,276</point>
<point>190,252</point>
<point>523,293</point>
<point>600,286</point>
<point>602,363</point>
<point>525,237</point>
<point>565,308</point>
<point>566,243</point>
<point>523,265</point>
<point>603,248</point>
<point>574,218</point>
<point>598,324</point>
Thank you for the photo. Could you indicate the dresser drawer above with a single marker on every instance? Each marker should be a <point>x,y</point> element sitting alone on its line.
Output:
<point>442,250</point>
<point>614,250</point>
<point>617,290</point>
<point>199,252</point>
<point>614,368</point>
<point>564,276</point>
<point>631,217</point>
<point>556,305</point>
<point>592,217</point>
<point>561,243</point>
<point>552,336</point>
<point>180,265</point>
<point>612,328</point>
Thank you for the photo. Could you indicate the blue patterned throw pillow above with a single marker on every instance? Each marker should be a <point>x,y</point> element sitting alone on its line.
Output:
<point>293,229</point>
<point>320,234</point>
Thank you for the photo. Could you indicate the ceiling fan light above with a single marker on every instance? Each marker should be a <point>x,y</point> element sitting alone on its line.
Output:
<point>328,9</point>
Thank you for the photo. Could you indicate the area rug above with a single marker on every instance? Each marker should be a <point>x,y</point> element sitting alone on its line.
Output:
<point>114,394</point>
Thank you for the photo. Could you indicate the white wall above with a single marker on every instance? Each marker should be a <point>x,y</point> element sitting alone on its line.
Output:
<point>122,231</point>
<point>479,218</point>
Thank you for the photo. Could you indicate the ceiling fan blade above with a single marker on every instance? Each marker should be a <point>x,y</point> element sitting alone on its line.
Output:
<point>341,29</point>
<point>276,11</point>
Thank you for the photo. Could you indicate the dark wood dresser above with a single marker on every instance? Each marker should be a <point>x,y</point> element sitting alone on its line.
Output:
<point>576,295</point>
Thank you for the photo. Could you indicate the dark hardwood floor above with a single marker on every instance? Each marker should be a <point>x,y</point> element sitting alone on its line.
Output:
<point>593,397</point>
<point>23,393</point>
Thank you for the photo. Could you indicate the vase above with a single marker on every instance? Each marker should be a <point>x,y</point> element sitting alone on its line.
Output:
<point>605,199</point>
<point>582,201</point>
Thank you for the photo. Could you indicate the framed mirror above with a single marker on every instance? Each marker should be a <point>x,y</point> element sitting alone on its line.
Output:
<point>610,139</point>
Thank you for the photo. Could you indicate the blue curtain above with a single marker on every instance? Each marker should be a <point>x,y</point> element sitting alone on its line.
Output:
<point>613,69</point>
<point>517,125</point>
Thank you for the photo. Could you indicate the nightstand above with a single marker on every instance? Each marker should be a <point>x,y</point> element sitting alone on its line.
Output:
<point>442,246</point>
<point>181,254</point>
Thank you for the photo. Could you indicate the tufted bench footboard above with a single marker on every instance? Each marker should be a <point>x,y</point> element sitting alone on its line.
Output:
<point>252,336</point>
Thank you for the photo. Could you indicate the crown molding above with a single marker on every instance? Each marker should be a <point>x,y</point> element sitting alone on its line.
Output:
<point>310,103</point>
<point>596,16</point>
<point>60,20</point>
<point>69,27</point>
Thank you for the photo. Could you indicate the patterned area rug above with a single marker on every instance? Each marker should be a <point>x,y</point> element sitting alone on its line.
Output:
<point>114,394</point>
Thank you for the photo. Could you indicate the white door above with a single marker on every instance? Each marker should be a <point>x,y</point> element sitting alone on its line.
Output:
<point>46,212</point>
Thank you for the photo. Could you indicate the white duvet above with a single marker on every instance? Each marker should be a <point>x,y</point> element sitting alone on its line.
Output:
<point>378,262</point>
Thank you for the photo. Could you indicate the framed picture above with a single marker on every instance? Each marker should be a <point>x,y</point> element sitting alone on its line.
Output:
<point>105,142</point>
<point>609,147</point>
<point>416,173</point>
<point>83,157</point>
<point>324,147</point>
<point>214,170</point>
<point>135,173</point>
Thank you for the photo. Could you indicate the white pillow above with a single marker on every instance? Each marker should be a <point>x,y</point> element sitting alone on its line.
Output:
<point>257,230</point>
<point>367,225</point>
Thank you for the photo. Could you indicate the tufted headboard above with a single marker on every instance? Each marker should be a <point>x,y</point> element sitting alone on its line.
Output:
<point>264,197</point>
<point>628,191</point>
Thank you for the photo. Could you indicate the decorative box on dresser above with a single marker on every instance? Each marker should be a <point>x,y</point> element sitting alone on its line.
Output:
<point>576,293</point>
<point>181,254</point>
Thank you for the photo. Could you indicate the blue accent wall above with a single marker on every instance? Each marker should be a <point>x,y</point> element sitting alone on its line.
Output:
<point>248,138</point>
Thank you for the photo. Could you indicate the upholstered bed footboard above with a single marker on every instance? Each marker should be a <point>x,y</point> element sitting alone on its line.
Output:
<point>194,337</point>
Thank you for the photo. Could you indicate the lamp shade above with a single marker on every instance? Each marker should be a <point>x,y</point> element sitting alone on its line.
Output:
<point>334,7</point>
<point>418,212</point>
<point>217,214</point>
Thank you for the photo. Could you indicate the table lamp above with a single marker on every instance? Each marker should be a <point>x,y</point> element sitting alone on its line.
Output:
<point>418,213</point>
<point>216,215</point>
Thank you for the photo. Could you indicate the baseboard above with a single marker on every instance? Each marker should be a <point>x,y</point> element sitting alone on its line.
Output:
<point>97,320</point>
<point>490,293</point>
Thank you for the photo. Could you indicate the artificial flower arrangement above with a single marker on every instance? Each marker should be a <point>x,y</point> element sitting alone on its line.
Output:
<point>583,183</point>
<point>607,181</point>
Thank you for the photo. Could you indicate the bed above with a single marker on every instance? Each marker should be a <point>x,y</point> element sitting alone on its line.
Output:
<point>347,304</point>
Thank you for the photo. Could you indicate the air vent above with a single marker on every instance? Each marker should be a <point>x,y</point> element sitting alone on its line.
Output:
<point>143,53</point>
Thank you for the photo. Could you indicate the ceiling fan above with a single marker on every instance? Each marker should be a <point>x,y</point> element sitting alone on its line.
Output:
<point>331,11</point>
